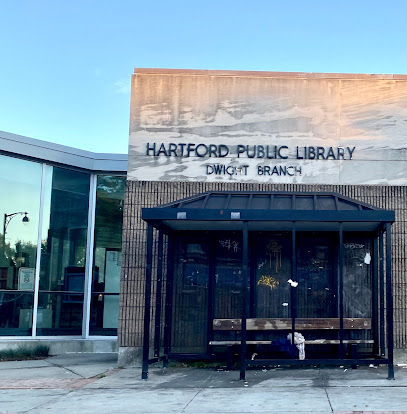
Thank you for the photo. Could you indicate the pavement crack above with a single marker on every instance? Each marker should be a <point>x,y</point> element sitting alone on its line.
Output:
<point>28,368</point>
<point>329,401</point>
<point>70,370</point>
<point>46,402</point>
<point>189,402</point>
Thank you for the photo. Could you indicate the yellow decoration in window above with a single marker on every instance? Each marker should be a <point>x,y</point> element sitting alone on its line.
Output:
<point>273,248</point>
<point>268,281</point>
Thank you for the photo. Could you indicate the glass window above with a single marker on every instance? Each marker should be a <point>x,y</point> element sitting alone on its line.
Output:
<point>107,255</point>
<point>63,252</point>
<point>20,188</point>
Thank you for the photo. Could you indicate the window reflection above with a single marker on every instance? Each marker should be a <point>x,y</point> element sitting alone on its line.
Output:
<point>107,255</point>
<point>20,186</point>
<point>63,252</point>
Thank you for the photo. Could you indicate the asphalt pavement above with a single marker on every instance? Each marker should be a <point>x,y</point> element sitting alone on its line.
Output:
<point>92,383</point>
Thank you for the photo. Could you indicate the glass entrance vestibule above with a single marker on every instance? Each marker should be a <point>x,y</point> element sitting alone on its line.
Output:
<point>242,274</point>
<point>60,251</point>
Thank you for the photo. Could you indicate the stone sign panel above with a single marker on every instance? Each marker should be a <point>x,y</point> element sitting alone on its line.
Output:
<point>268,127</point>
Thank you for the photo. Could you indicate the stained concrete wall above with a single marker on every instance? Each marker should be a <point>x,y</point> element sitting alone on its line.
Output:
<point>364,116</point>
<point>62,346</point>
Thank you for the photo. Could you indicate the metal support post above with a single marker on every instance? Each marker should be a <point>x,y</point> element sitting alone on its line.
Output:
<point>211,292</point>
<point>381,294</point>
<point>389,302</point>
<point>375,297</point>
<point>245,300</point>
<point>168,298</point>
<point>158,299</point>
<point>340,280</point>
<point>293,291</point>
<point>147,302</point>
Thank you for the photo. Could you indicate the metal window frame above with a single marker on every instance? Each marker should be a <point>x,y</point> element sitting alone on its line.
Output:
<point>90,242</point>
<point>38,254</point>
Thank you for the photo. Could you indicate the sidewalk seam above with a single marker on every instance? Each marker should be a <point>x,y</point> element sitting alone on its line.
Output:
<point>329,401</point>
<point>73,372</point>
<point>8,369</point>
<point>183,410</point>
<point>47,402</point>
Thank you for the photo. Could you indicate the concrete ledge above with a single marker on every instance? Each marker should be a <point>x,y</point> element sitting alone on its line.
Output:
<point>130,356</point>
<point>133,356</point>
<point>62,346</point>
<point>400,356</point>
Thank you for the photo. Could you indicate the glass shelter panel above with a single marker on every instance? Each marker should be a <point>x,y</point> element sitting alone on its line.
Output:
<point>62,273</point>
<point>20,188</point>
<point>357,277</point>
<point>315,276</point>
<point>107,255</point>
<point>228,275</point>
<point>357,282</point>
<point>190,296</point>
<point>273,269</point>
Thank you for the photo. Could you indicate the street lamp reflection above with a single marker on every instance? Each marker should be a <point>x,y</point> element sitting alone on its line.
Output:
<point>6,222</point>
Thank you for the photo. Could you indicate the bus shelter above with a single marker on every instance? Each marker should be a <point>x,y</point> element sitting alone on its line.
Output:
<point>269,278</point>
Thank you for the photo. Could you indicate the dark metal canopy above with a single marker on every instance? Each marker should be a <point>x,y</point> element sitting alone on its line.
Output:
<point>267,211</point>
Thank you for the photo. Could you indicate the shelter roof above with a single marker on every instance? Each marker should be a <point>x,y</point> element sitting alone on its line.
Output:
<point>218,210</point>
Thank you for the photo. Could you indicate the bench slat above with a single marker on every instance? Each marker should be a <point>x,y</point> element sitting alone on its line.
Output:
<point>337,341</point>
<point>238,343</point>
<point>309,342</point>
<point>272,324</point>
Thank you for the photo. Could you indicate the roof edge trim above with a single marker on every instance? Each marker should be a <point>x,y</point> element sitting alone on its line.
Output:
<point>266,74</point>
<point>43,151</point>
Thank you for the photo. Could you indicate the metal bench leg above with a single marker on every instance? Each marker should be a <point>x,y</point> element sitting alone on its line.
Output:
<point>229,357</point>
<point>354,354</point>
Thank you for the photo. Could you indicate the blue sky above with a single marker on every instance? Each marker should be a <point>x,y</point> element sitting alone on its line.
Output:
<point>65,66</point>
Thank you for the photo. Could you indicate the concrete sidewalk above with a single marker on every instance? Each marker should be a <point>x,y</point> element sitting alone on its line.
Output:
<point>92,383</point>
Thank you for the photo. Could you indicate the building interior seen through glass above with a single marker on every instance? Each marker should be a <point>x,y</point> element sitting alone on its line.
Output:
<point>107,255</point>
<point>60,260</point>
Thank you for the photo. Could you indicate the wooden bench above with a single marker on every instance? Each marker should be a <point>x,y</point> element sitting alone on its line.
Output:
<point>285,324</point>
